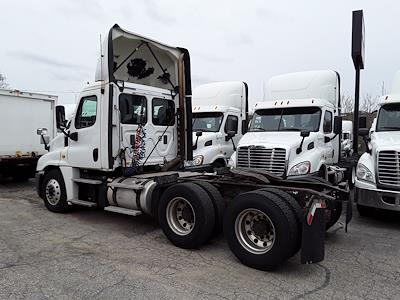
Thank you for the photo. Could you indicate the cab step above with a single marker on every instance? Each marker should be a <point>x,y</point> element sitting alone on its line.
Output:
<point>82,202</point>
<point>125,211</point>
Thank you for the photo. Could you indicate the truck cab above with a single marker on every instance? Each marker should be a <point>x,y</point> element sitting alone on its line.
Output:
<point>296,130</point>
<point>378,175</point>
<point>219,121</point>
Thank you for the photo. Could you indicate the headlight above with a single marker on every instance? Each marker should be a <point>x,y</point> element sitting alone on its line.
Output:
<point>198,160</point>
<point>302,168</point>
<point>363,173</point>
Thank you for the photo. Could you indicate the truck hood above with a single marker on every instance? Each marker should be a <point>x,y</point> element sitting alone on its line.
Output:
<point>283,139</point>
<point>386,139</point>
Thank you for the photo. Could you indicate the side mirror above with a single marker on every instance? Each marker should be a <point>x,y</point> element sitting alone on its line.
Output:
<point>337,125</point>
<point>305,133</point>
<point>362,122</point>
<point>41,131</point>
<point>199,133</point>
<point>231,124</point>
<point>230,135</point>
<point>363,132</point>
<point>60,116</point>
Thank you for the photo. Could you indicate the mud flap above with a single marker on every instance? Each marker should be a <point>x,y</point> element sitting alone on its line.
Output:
<point>313,237</point>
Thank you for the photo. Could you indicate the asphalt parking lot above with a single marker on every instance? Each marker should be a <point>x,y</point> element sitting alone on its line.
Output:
<point>95,254</point>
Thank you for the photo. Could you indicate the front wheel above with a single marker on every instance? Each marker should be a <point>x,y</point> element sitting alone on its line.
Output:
<point>261,229</point>
<point>53,192</point>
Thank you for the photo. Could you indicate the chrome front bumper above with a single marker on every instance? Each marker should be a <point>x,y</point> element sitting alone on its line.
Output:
<point>373,197</point>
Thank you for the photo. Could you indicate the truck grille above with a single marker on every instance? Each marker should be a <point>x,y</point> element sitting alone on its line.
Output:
<point>272,160</point>
<point>388,167</point>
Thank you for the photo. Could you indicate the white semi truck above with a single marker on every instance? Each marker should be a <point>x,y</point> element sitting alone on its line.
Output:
<point>125,149</point>
<point>347,138</point>
<point>296,131</point>
<point>219,121</point>
<point>378,171</point>
<point>21,113</point>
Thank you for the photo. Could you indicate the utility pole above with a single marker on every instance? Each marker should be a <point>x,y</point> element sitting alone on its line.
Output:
<point>357,54</point>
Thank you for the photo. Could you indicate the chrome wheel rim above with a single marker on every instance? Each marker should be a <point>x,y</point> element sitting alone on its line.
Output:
<point>180,216</point>
<point>255,231</point>
<point>53,192</point>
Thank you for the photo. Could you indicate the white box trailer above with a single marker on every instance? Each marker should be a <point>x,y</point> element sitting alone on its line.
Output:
<point>21,114</point>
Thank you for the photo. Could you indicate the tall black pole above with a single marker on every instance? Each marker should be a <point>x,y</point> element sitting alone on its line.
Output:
<point>357,54</point>
<point>356,112</point>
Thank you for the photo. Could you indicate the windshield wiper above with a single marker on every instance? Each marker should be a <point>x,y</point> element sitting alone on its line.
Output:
<point>258,129</point>
<point>291,129</point>
<point>390,128</point>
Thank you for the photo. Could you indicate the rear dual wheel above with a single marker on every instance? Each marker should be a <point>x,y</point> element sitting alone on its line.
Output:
<point>186,215</point>
<point>261,229</point>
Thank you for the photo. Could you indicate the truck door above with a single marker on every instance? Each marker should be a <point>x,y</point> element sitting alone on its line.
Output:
<point>157,116</point>
<point>84,144</point>
<point>162,129</point>
<point>328,132</point>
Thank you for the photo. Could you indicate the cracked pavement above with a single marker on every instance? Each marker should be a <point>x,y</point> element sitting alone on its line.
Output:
<point>90,253</point>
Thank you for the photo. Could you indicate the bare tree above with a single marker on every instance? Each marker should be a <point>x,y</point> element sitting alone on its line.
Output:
<point>347,103</point>
<point>370,103</point>
<point>3,82</point>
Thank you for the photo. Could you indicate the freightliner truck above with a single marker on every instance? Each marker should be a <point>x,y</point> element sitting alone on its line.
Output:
<point>128,149</point>
<point>219,111</point>
<point>296,131</point>
<point>378,169</point>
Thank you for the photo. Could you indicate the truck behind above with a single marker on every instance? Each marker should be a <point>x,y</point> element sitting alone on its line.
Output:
<point>21,113</point>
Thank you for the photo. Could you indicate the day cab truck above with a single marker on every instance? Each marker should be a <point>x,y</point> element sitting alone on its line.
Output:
<point>296,131</point>
<point>129,149</point>
<point>378,169</point>
<point>20,114</point>
<point>219,121</point>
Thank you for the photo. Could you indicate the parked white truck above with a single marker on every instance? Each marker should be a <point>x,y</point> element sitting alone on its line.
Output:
<point>296,131</point>
<point>21,113</point>
<point>219,121</point>
<point>378,171</point>
<point>347,138</point>
<point>125,149</point>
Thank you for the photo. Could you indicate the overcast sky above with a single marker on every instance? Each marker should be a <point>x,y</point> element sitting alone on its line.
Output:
<point>51,45</point>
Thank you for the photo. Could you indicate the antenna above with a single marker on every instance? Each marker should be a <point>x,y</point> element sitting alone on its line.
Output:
<point>101,67</point>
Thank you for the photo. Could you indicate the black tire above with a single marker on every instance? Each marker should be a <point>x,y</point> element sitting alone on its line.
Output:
<point>52,193</point>
<point>365,211</point>
<point>284,224</point>
<point>218,203</point>
<point>296,209</point>
<point>196,200</point>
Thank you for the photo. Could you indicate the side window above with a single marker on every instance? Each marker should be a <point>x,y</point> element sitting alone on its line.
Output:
<point>163,112</point>
<point>231,124</point>
<point>328,122</point>
<point>133,109</point>
<point>87,111</point>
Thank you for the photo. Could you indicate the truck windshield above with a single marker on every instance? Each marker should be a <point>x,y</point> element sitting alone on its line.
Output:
<point>286,119</point>
<point>207,121</point>
<point>389,118</point>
